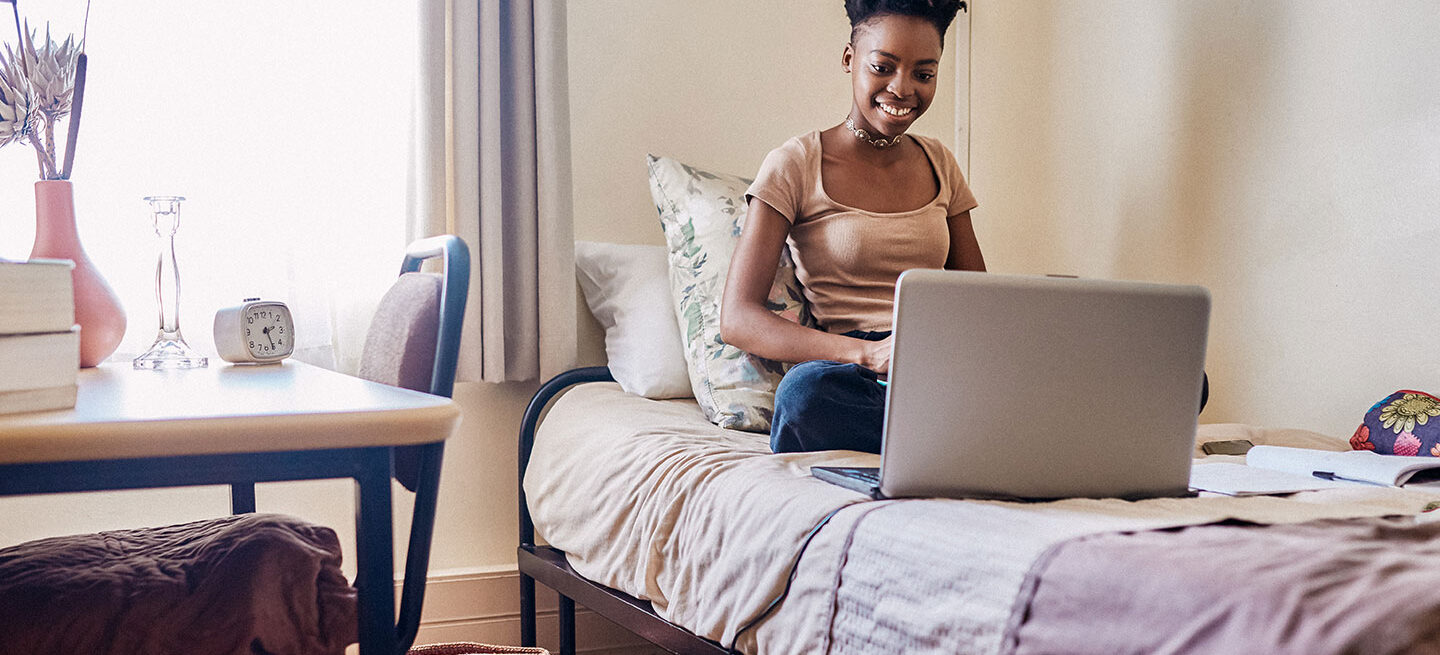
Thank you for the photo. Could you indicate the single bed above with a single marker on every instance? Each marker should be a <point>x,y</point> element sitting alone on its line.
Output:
<point>701,540</point>
<point>687,533</point>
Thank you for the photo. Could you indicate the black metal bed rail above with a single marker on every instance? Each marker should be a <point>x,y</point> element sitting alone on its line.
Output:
<point>531,420</point>
<point>528,424</point>
<point>549,566</point>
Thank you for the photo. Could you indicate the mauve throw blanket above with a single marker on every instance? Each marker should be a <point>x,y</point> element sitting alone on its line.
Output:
<point>250,584</point>
<point>1357,586</point>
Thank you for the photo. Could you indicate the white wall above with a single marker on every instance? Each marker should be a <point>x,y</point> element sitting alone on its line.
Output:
<point>1285,154</point>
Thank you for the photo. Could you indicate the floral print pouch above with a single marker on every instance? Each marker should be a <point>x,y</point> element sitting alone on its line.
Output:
<point>1404,423</point>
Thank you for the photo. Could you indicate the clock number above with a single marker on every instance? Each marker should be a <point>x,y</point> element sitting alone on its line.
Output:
<point>249,319</point>
<point>252,345</point>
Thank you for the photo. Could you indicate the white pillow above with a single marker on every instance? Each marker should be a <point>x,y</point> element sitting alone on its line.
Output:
<point>628,290</point>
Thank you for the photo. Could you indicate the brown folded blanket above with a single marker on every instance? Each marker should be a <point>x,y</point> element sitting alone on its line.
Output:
<point>1354,586</point>
<point>247,585</point>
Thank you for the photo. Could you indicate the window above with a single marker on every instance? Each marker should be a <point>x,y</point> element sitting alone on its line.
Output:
<point>285,124</point>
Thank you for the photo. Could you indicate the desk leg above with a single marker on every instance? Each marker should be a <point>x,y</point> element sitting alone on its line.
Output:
<point>375,556</point>
<point>242,498</point>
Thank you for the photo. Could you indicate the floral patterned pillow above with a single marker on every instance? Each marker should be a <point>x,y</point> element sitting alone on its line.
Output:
<point>1403,423</point>
<point>702,213</point>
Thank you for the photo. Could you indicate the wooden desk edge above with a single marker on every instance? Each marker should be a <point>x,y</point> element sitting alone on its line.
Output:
<point>237,434</point>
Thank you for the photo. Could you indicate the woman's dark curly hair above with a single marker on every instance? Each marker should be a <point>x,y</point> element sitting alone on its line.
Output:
<point>939,13</point>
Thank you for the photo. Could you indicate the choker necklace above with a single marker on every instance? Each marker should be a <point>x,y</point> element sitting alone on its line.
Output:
<point>881,142</point>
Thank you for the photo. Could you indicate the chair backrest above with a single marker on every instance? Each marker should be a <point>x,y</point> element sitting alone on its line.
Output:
<point>414,338</point>
<point>400,346</point>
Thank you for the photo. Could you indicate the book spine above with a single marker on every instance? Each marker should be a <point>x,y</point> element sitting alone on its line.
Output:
<point>38,400</point>
<point>36,297</point>
<point>37,361</point>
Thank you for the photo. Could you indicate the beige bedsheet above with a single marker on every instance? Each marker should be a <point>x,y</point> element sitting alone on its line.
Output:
<point>649,498</point>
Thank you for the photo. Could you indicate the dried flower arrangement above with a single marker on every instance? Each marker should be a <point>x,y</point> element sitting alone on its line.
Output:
<point>38,88</point>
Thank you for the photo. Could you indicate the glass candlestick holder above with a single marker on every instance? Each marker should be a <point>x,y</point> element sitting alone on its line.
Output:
<point>169,350</point>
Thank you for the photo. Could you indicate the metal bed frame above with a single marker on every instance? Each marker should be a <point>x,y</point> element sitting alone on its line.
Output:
<point>549,566</point>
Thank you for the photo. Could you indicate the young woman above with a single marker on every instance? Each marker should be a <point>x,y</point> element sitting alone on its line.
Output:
<point>856,204</point>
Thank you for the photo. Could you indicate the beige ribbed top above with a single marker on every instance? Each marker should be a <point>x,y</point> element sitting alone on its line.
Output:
<point>848,259</point>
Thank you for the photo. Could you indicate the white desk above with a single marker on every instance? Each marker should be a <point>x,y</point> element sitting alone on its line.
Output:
<point>236,425</point>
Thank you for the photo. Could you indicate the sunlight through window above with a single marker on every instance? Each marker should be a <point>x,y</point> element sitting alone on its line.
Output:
<point>285,124</point>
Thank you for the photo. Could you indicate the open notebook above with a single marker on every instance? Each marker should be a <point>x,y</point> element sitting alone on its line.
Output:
<point>1351,465</point>
<point>1279,469</point>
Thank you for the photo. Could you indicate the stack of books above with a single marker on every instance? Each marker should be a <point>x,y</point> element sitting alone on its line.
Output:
<point>39,342</point>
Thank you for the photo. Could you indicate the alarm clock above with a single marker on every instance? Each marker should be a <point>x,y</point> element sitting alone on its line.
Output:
<point>255,332</point>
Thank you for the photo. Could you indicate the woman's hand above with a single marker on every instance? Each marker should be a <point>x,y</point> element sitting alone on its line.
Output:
<point>875,355</point>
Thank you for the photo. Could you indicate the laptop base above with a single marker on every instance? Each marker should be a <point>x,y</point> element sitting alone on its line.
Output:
<point>864,479</point>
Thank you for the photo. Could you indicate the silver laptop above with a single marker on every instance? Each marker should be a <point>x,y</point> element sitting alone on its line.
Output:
<point>1006,386</point>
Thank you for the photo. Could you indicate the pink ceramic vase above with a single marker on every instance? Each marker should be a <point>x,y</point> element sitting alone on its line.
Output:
<point>97,309</point>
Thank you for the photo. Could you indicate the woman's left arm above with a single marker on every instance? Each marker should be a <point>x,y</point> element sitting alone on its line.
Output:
<point>964,249</point>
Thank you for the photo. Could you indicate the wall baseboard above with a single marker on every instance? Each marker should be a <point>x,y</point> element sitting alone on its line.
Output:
<point>485,607</point>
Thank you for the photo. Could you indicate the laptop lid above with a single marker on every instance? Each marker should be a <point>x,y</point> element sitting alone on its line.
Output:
<point>1040,387</point>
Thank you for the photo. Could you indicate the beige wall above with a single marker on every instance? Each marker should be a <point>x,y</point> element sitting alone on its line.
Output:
<point>1285,154</point>
<point>714,84</point>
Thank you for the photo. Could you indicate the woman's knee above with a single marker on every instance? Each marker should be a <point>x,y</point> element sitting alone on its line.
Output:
<point>824,405</point>
<point>808,382</point>
<point>806,375</point>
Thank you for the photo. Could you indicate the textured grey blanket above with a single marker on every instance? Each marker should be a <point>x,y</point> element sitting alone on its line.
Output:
<point>936,577</point>
<point>1357,586</point>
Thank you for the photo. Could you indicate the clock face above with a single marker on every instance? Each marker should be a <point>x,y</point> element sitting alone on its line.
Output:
<point>269,332</point>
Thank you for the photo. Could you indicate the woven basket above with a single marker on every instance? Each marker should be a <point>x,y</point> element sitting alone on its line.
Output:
<point>472,648</point>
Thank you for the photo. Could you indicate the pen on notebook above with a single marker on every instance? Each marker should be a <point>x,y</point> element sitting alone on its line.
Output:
<point>1330,475</point>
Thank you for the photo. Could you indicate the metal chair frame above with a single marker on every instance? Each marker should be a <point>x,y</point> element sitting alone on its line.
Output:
<point>455,284</point>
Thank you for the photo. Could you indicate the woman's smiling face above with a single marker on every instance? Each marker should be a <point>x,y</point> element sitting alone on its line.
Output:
<point>893,62</point>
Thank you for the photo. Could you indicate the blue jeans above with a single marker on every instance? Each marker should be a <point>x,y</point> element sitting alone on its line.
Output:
<point>825,405</point>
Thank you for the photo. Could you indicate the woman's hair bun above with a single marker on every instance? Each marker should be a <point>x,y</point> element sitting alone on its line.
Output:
<point>939,13</point>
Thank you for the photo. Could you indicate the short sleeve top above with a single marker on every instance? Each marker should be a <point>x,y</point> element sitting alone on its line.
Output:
<point>848,259</point>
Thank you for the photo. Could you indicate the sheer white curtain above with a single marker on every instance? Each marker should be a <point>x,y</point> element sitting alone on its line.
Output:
<point>492,165</point>
<point>284,123</point>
